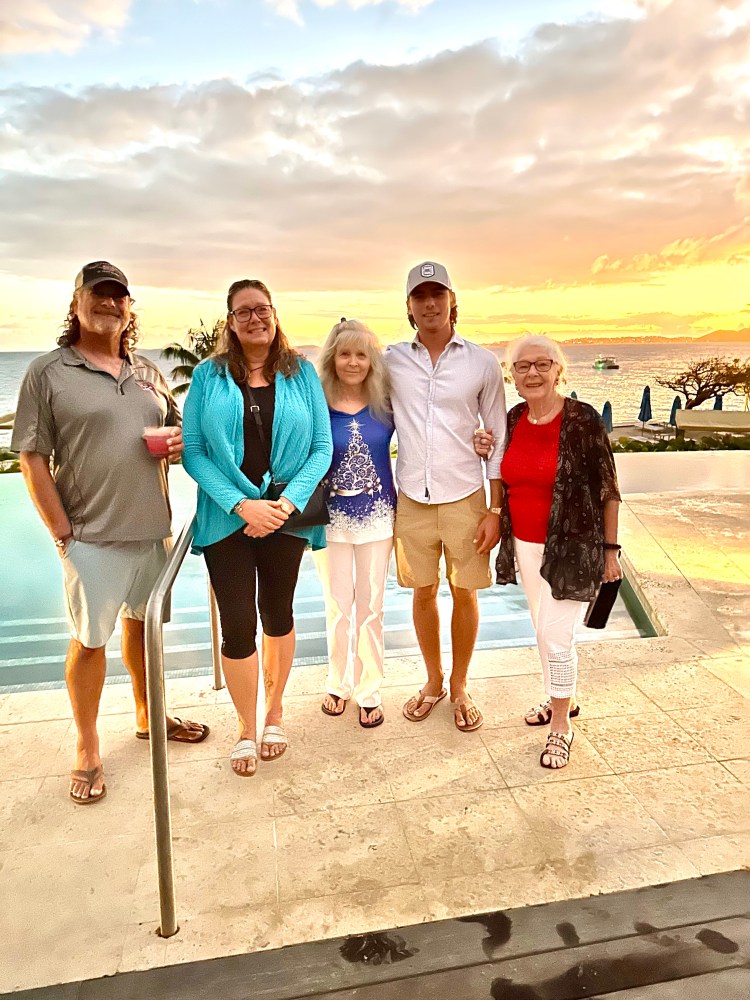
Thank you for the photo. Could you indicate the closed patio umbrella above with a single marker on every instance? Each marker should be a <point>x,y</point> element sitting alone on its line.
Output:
<point>677,405</point>
<point>719,403</point>
<point>644,413</point>
<point>607,417</point>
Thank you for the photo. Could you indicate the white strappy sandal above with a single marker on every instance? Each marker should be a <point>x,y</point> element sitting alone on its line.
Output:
<point>274,735</point>
<point>244,750</point>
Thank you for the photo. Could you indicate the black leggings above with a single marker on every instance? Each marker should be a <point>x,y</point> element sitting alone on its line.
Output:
<point>233,564</point>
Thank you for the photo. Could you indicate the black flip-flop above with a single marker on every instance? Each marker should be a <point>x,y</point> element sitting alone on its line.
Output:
<point>339,700</point>
<point>377,722</point>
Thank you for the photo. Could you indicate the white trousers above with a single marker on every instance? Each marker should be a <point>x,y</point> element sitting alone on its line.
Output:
<point>554,623</point>
<point>354,579</point>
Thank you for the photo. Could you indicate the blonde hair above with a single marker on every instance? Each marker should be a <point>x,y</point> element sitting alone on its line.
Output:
<point>352,333</point>
<point>545,343</point>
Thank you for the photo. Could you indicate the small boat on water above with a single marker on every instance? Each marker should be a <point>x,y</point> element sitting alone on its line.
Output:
<point>605,362</point>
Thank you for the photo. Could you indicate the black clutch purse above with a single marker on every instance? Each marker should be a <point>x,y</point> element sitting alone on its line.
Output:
<point>316,508</point>
<point>597,613</point>
<point>314,514</point>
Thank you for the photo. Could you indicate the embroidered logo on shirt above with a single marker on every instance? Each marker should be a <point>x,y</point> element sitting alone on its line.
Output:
<point>146,386</point>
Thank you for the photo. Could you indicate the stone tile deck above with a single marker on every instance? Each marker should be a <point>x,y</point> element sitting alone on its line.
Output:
<point>356,830</point>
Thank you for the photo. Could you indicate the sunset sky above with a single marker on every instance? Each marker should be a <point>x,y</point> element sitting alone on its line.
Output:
<point>581,166</point>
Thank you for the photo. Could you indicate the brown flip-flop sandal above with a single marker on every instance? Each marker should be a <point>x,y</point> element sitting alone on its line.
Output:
<point>339,700</point>
<point>89,777</point>
<point>463,707</point>
<point>179,732</point>
<point>375,722</point>
<point>424,699</point>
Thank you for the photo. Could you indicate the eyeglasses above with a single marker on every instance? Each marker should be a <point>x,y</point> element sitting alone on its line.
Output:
<point>243,315</point>
<point>542,366</point>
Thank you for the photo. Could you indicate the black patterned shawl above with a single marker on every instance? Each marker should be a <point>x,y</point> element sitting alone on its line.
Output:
<point>586,479</point>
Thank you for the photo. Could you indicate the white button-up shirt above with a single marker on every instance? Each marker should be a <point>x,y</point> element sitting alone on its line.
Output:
<point>436,411</point>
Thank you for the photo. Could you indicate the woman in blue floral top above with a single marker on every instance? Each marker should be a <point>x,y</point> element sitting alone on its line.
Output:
<point>362,502</point>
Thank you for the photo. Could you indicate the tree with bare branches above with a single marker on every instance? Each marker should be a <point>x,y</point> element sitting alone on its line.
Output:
<point>706,378</point>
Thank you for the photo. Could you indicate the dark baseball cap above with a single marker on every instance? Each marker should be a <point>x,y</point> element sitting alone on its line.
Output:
<point>98,271</point>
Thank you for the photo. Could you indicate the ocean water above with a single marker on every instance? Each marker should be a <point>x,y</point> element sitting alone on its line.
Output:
<point>640,364</point>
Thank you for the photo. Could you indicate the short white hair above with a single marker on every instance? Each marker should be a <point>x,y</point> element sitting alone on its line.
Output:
<point>542,341</point>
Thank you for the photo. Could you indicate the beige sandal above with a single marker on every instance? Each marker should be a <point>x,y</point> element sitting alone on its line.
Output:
<point>423,699</point>
<point>88,778</point>
<point>463,707</point>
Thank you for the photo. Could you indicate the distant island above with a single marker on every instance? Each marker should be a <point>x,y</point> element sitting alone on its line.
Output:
<point>715,337</point>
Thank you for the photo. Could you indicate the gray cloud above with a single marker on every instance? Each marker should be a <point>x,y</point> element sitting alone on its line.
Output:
<point>605,150</point>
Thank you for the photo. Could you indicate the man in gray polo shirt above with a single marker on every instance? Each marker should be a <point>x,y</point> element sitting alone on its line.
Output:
<point>105,501</point>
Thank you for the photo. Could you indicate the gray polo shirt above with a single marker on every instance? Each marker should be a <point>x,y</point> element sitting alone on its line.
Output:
<point>92,424</point>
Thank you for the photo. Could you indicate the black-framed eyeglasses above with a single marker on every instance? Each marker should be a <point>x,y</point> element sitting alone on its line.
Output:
<point>543,365</point>
<point>244,314</point>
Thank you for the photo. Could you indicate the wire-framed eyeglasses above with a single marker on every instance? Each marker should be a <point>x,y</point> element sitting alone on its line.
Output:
<point>543,365</point>
<point>243,315</point>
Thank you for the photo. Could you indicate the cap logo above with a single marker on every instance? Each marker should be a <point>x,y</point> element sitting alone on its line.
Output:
<point>427,270</point>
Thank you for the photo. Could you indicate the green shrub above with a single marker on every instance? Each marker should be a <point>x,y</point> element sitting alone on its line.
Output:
<point>725,442</point>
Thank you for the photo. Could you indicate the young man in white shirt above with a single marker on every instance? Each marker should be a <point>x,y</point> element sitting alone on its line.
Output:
<point>442,387</point>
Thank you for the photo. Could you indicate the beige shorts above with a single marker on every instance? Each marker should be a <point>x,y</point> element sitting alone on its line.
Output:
<point>425,532</point>
<point>106,580</point>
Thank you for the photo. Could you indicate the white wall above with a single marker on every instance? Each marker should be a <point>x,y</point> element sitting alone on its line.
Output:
<point>659,472</point>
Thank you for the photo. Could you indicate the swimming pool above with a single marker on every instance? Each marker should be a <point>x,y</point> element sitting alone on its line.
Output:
<point>33,628</point>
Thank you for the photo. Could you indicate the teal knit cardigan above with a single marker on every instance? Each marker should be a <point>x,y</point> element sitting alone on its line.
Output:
<point>212,428</point>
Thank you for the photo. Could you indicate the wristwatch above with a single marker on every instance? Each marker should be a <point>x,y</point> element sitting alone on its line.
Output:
<point>496,510</point>
<point>288,506</point>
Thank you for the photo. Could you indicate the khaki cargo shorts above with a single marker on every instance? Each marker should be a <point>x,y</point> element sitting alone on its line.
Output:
<point>425,532</point>
<point>107,579</point>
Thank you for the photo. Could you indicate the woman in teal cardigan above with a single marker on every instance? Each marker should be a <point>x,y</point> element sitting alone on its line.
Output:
<point>254,371</point>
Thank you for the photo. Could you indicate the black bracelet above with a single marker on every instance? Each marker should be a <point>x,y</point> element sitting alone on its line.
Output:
<point>613,546</point>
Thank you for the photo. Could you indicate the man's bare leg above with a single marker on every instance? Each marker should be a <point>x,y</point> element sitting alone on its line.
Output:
<point>85,668</point>
<point>464,628</point>
<point>278,654</point>
<point>134,657</point>
<point>427,627</point>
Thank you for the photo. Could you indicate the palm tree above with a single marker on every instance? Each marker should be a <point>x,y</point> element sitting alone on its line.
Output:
<point>200,343</point>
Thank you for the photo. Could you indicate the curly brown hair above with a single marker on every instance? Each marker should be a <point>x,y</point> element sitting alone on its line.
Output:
<point>281,357</point>
<point>71,330</point>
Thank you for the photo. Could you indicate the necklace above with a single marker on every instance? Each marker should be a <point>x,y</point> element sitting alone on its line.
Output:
<point>536,420</point>
<point>259,368</point>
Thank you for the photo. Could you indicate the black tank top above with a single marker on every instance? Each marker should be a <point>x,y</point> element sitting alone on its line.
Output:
<point>255,459</point>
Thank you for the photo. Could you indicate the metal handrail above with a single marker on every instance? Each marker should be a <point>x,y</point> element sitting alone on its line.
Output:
<point>157,716</point>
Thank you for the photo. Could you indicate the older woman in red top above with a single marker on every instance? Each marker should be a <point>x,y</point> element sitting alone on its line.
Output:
<point>559,522</point>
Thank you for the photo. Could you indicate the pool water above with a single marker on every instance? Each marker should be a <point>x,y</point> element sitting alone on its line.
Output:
<point>33,627</point>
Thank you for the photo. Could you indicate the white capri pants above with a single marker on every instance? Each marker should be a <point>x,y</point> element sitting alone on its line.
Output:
<point>354,579</point>
<point>554,623</point>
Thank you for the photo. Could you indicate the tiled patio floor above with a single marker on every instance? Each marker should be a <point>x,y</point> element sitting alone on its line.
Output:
<point>356,830</point>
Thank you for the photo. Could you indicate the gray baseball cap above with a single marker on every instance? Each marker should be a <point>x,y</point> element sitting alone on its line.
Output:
<point>428,271</point>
